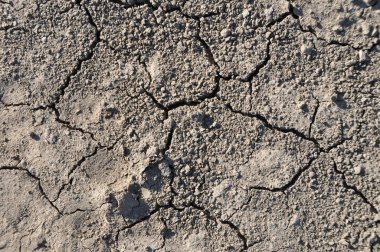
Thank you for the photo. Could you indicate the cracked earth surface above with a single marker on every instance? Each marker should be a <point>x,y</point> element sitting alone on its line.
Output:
<point>190,125</point>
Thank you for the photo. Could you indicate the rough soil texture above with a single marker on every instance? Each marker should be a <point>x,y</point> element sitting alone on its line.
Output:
<point>190,125</point>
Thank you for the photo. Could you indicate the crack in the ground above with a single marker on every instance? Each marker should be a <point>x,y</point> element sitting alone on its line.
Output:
<point>81,161</point>
<point>208,51</point>
<point>312,31</point>
<point>163,234</point>
<point>7,3</point>
<point>169,139</point>
<point>165,158</point>
<point>296,177</point>
<point>63,122</point>
<point>87,57</point>
<point>249,78</point>
<point>7,28</point>
<point>195,102</point>
<point>84,210</point>
<point>57,117</point>
<point>279,19</point>
<point>21,104</point>
<point>261,65</point>
<point>314,116</point>
<point>145,218</point>
<point>35,178</point>
<point>199,100</point>
<point>193,205</point>
<point>292,181</point>
<point>134,4</point>
<point>353,188</point>
<point>232,226</point>
<point>170,9</point>
<point>184,102</point>
<point>268,125</point>
<point>74,168</point>
<point>319,151</point>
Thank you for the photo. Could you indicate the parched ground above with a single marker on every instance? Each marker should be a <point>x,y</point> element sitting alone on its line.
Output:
<point>190,125</point>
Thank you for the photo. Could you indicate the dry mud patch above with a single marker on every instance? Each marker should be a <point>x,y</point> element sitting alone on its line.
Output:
<point>189,125</point>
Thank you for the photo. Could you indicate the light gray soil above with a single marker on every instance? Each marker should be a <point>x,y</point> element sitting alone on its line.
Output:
<point>190,125</point>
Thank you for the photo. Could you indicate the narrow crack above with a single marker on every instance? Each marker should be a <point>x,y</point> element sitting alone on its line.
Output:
<point>189,103</point>
<point>57,116</point>
<point>134,4</point>
<point>87,57</point>
<point>80,162</point>
<point>85,210</point>
<point>293,180</point>
<point>232,226</point>
<point>8,3</point>
<point>300,135</point>
<point>312,31</point>
<point>261,65</point>
<point>199,100</point>
<point>13,28</point>
<point>313,117</point>
<point>145,218</point>
<point>15,104</point>
<point>279,19</point>
<point>157,103</point>
<point>169,139</point>
<point>335,145</point>
<point>171,9</point>
<point>274,127</point>
<point>163,234</point>
<point>207,213</point>
<point>37,179</point>
<point>267,56</point>
<point>63,122</point>
<point>167,159</point>
<point>208,51</point>
<point>353,188</point>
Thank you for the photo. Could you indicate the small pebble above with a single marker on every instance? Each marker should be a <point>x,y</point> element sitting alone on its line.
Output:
<point>245,13</point>
<point>358,170</point>
<point>363,57</point>
<point>306,50</point>
<point>312,174</point>
<point>225,33</point>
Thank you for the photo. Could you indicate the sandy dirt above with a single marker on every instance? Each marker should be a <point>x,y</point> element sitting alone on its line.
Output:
<point>190,125</point>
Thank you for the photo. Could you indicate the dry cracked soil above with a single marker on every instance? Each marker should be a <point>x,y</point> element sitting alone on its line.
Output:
<point>190,125</point>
